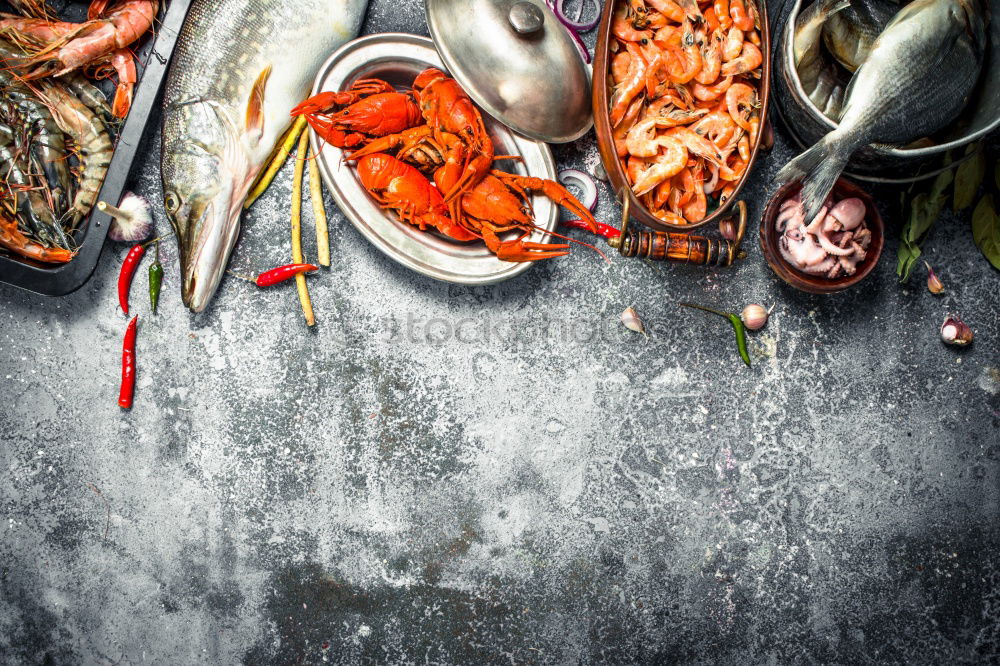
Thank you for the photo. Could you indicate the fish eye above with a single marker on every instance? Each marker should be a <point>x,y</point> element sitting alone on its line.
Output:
<point>172,202</point>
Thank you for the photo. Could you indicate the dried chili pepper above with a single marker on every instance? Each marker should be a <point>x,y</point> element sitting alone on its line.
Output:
<point>282,273</point>
<point>155,279</point>
<point>128,366</point>
<point>738,326</point>
<point>605,230</point>
<point>129,267</point>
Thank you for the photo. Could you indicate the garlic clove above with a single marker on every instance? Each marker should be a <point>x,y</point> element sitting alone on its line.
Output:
<point>632,322</point>
<point>954,331</point>
<point>754,316</point>
<point>728,229</point>
<point>934,284</point>
<point>132,220</point>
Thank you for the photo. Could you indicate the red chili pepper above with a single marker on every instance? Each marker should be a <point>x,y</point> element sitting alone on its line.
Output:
<point>129,267</point>
<point>605,230</point>
<point>282,273</point>
<point>128,365</point>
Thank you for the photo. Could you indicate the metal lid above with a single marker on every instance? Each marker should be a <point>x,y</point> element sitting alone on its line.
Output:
<point>517,62</point>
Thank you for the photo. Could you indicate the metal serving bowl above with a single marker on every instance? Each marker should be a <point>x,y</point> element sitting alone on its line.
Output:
<point>606,143</point>
<point>882,163</point>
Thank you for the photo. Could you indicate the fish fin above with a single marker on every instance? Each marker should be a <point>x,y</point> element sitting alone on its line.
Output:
<point>818,169</point>
<point>255,105</point>
<point>834,6</point>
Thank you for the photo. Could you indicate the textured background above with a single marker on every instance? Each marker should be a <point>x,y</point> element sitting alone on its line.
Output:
<point>550,488</point>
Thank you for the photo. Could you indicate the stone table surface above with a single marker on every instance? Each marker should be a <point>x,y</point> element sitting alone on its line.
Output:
<point>543,486</point>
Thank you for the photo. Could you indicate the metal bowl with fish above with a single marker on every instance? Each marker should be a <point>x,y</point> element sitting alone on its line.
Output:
<point>810,111</point>
<point>700,100</point>
<point>398,59</point>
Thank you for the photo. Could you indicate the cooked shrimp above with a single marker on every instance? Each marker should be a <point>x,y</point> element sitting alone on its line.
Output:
<point>721,9</point>
<point>696,208</point>
<point>641,139</point>
<point>733,45</point>
<point>686,59</point>
<point>630,87</point>
<point>712,92</point>
<point>718,127</point>
<point>696,144</point>
<point>741,101</point>
<point>669,162</point>
<point>741,18</point>
<point>711,59</point>
<point>670,9</point>
<point>749,60</point>
<point>619,133</point>
<point>620,66</point>
<point>623,26</point>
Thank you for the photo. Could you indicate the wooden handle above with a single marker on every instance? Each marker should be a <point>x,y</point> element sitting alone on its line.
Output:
<point>680,247</point>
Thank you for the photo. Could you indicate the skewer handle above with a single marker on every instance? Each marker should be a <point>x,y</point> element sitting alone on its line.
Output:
<point>680,247</point>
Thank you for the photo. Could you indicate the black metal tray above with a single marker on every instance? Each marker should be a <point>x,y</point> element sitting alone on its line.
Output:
<point>152,54</point>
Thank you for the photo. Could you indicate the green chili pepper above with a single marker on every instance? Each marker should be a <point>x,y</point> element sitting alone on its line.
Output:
<point>738,327</point>
<point>155,279</point>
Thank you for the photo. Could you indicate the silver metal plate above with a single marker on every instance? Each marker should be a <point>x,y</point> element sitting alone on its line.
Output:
<point>398,58</point>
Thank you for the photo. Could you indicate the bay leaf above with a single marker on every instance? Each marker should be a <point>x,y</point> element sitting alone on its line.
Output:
<point>986,230</point>
<point>968,178</point>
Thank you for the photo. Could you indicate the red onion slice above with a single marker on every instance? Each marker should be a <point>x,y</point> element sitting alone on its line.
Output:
<point>585,183</point>
<point>580,26</point>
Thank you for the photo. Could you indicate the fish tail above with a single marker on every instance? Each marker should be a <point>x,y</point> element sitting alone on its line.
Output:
<point>818,170</point>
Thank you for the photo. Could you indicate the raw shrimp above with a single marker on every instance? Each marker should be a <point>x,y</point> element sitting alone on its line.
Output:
<point>63,47</point>
<point>31,204</point>
<point>749,60</point>
<point>91,137</point>
<point>666,164</point>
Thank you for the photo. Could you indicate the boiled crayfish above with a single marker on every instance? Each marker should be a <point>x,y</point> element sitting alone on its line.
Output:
<point>435,129</point>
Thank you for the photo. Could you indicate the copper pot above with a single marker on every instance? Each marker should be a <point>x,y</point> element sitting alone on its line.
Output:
<point>606,144</point>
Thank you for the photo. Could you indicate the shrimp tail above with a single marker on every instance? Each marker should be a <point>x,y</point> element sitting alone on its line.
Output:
<point>818,169</point>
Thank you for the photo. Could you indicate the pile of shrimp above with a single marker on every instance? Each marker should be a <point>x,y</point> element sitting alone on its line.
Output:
<point>685,109</point>
<point>54,153</point>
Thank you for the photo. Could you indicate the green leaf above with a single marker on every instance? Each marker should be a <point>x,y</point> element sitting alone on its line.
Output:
<point>986,230</point>
<point>968,178</point>
<point>906,260</point>
<point>925,208</point>
<point>941,184</point>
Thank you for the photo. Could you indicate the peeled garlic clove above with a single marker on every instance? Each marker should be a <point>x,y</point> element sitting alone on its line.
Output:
<point>632,322</point>
<point>954,331</point>
<point>132,220</point>
<point>934,285</point>
<point>754,316</point>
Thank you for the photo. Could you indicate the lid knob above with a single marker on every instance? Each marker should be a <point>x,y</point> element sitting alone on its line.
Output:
<point>526,18</point>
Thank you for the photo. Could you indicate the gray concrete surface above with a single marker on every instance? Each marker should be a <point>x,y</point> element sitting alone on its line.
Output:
<point>545,487</point>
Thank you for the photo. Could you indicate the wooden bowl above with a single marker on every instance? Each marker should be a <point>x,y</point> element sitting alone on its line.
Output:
<point>816,284</point>
<point>605,141</point>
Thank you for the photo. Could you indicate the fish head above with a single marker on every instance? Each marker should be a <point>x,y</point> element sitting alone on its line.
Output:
<point>206,176</point>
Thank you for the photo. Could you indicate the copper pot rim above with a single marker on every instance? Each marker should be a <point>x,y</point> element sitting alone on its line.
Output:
<point>602,125</point>
<point>814,284</point>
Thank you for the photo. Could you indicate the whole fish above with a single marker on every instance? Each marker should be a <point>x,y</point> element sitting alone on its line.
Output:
<point>239,68</point>
<point>919,76</point>
<point>808,38</point>
<point>850,34</point>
